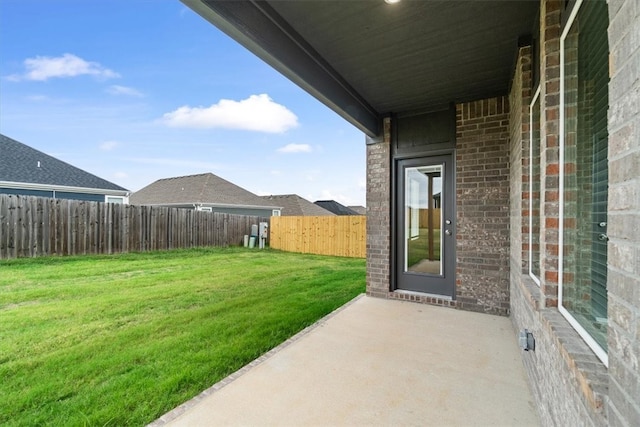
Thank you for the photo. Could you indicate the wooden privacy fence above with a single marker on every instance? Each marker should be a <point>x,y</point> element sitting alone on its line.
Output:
<point>35,226</point>
<point>429,218</point>
<point>322,235</point>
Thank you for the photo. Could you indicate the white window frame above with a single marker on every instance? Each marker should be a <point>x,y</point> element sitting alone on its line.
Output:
<point>275,212</point>
<point>536,97</point>
<point>597,349</point>
<point>112,199</point>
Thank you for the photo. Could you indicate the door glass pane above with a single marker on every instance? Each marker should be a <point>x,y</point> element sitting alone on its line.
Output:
<point>423,219</point>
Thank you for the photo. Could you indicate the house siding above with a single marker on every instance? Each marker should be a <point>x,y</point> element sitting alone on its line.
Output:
<point>68,195</point>
<point>21,192</point>
<point>244,211</point>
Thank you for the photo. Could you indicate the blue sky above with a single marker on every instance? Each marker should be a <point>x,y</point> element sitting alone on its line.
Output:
<point>138,90</point>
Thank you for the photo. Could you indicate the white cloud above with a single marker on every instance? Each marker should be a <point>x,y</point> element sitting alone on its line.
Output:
<point>109,145</point>
<point>256,113</point>
<point>295,148</point>
<point>123,90</point>
<point>42,68</point>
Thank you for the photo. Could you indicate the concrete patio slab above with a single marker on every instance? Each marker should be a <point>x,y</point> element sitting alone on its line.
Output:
<point>378,362</point>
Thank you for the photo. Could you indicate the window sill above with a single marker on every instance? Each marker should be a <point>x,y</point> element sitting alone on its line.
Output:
<point>531,291</point>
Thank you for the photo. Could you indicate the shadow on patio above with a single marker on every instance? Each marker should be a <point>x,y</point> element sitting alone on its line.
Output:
<point>377,362</point>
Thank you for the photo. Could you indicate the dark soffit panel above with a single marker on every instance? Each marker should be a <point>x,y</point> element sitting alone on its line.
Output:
<point>365,58</point>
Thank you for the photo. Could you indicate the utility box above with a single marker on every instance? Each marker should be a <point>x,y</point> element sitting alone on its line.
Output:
<point>264,230</point>
<point>263,233</point>
<point>254,230</point>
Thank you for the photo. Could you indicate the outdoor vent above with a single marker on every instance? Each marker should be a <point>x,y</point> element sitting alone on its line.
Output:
<point>526,340</point>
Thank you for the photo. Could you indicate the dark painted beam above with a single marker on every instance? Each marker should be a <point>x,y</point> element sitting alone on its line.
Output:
<point>257,27</point>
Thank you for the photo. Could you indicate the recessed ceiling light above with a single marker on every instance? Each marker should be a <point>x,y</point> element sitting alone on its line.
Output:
<point>391,1</point>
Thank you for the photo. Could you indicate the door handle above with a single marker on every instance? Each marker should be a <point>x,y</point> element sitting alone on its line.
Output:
<point>603,237</point>
<point>447,232</point>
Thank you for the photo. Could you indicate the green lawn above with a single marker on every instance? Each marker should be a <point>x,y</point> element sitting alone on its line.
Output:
<point>419,250</point>
<point>120,340</point>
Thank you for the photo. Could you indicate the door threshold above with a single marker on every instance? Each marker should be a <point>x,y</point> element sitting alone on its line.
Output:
<point>422,294</point>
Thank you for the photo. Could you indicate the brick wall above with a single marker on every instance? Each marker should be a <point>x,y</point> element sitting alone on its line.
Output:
<point>549,151</point>
<point>482,191</point>
<point>624,213</point>
<point>519,100</point>
<point>571,386</point>
<point>378,213</point>
<point>567,380</point>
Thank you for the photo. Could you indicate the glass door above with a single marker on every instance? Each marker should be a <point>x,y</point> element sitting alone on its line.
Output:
<point>425,229</point>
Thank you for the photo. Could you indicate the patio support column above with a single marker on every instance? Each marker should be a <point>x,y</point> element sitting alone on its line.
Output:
<point>379,212</point>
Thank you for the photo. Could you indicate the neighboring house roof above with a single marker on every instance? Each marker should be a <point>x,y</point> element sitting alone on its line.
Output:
<point>205,189</point>
<point>361,210</point>
<point>335,207</point>
<point>294,205</point>
<point>20,163</point>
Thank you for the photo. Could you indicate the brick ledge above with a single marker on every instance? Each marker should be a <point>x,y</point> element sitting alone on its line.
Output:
<point>590,374</point>
<point>531,291</point>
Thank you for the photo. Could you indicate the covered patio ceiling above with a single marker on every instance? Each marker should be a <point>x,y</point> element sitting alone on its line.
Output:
<point>366,59</point>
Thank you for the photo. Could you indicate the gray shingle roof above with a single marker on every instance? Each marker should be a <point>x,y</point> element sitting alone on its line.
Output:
<point>204,188</point>
<point>294,205</point>
<point>21,163</point>
<point>335,207</point>
<point>361,210</point>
